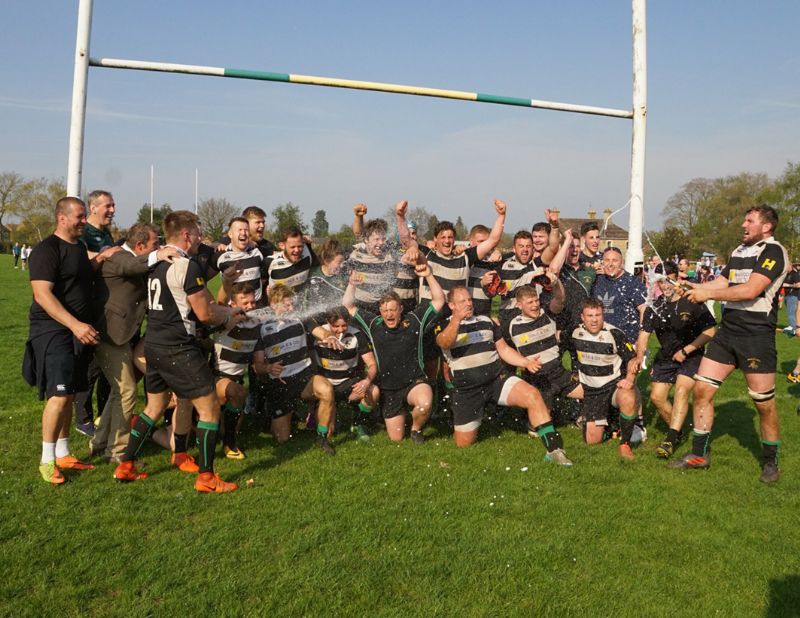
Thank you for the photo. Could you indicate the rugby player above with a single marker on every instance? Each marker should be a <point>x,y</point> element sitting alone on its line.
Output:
<point>474,346</point>
<point>748,285</point>
<point>397,345</point>
<point>683,328</point>
<point>177,300</point>
<point>607,375</point>
<point>240,262</point>
<point>283,355</point>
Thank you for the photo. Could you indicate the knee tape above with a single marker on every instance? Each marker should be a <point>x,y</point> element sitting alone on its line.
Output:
<point>712,381</point>
<point>761,397</point>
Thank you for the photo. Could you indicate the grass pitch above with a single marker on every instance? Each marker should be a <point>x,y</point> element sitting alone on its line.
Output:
<point>399,530</point>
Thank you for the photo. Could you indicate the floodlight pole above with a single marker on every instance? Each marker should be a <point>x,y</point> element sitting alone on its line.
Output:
<point>79,82</point>
<point>634,255</point>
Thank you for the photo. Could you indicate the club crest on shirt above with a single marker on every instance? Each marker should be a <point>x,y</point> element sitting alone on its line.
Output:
<point>753,363</point>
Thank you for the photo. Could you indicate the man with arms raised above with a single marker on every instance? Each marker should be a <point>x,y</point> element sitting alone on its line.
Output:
<point>749,286</point>
<point>474,346</point>
<point>397,345</point>
<point>56,354</point>
<point>177,300</point>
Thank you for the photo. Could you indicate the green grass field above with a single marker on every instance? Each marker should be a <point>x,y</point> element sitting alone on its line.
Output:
<point>399,530</point>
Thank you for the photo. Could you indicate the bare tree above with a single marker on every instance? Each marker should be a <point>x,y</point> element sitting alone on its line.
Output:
<point>12,186</point>
<point>682,211</point>
<point>215,213</point>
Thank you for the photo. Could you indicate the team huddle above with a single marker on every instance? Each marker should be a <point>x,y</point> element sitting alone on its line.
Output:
<point>389,331</point>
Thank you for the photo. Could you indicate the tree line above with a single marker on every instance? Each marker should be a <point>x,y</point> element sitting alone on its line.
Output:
<point>703,216</point>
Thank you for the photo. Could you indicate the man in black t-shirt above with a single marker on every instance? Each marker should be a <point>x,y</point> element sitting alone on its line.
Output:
<point>60,329</point>
<point>177,300</point>
<point>749,286</point>
<point>683,328</point>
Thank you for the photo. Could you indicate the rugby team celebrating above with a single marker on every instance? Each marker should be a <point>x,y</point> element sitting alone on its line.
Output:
<point>390,331</point>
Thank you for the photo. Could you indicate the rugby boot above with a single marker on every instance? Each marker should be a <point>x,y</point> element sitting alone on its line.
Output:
<point>51,474</point>
<point>769,472</point>
<point>690,461</point>
<point>68,462</point>
<point>184,462</point>
<point>558,456</point>
<point>126,472</point>
<point>233,453</point>
<point>210,483</point>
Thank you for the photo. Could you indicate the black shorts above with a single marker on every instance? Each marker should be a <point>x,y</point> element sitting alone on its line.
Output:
<point>469,403</point>
<point>182,369</point>
<point>56,363</point>
<point>555,383</point>
<point>282,396</point>
<point>597,406</point>
<point>341,392</point>
<point>395,403</point>
<point>667,371</point>
<point>753,354</point>
<point>219,375</point>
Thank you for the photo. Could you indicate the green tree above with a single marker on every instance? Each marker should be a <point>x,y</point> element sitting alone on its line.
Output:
<point>345,236</point>
<point>671,241</point>
<point>461,229</point>
<point>286,216</point>
<point>784,195</point>
<point>320,224</point>
<point>215,213</point>
<point>36,208</point>
<point>159,214</point>
<point>12,188</point>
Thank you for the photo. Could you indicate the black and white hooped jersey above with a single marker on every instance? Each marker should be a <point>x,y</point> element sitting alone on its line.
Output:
<point>473,358</point>
<point>406,284</point>
<point>280,271</point>
<point>170,319</point>
<point>340,365</point>
<point>450,271</point>
<point>766,257</point>
<point>376,275</point>
<point>251,262</point>
<point>233,349</point>
<point>534,337</point>
<point>602,358</point>
<point>515,274</point>
<point>284,340</point>
<point>481,303</point>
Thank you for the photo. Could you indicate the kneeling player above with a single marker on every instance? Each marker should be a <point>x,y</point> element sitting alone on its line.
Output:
<point>233,353</point>
<point>603,352</point>
<point>342,353</point>
<point>473,346</point>
<point>397,342</point>
<point>535,335</point>
<point>282,354</point>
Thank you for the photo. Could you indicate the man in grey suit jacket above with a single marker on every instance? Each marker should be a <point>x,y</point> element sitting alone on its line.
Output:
<point>120,304</point>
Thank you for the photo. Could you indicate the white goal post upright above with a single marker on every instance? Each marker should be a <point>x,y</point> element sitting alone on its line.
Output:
<point>638,115</point>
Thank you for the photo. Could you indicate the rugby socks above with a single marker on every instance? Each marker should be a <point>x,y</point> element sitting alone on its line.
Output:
<point>549,436</point>
<point>700,440</point>
<point>62,447</point>
<point>361,413</point>
<point>207,440</point>
<point>673,436</point>
<point>231,415</point>
<point>142,428</point>
<point>322,430</point>
<point>48,452</point>
<point>181,441</point>
<point>626,424</point>
<point>769,451</point>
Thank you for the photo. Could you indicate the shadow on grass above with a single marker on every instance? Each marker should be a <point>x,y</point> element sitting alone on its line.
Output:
<point>736,419</point>
<point>784,597</point>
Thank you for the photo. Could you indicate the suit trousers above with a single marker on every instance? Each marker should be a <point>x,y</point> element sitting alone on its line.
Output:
<point>113,430</point>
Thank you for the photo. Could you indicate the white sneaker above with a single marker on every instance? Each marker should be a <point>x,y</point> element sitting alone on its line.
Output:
<point>558,456</point>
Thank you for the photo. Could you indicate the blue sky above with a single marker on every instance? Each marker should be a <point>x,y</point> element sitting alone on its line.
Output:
<point>723,97</point>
